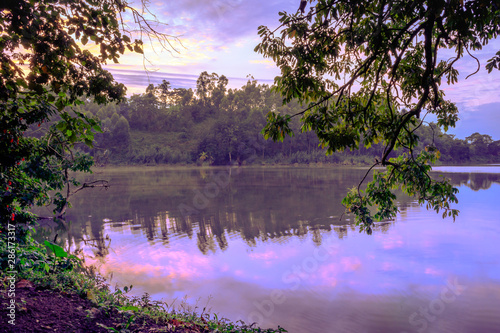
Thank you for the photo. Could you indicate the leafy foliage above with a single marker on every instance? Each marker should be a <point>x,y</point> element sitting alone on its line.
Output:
<point>143,130</point>
<point>44,70</point>
<point>31,258</point>
<point>366,71</point>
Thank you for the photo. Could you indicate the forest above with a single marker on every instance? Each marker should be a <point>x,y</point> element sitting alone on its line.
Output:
<point>213,125</point>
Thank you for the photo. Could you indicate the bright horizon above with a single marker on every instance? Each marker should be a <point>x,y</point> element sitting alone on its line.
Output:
<point>220,36</point>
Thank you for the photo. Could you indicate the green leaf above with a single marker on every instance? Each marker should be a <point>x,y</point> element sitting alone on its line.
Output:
<point>138,49</point>
<point>130,308</point>
<point>58,251</point>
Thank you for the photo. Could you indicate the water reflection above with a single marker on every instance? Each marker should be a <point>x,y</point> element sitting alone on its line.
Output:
<point>259,204</point>
<point>475,178</point>
<point>267,231</point>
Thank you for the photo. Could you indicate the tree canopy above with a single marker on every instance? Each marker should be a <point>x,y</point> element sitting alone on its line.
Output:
<point>222,127</point>
<point>45,69</point>
<point>369,71</point>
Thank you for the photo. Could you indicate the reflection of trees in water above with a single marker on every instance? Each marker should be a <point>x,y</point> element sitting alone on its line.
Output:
<point>212,228</point>
<point>474,181</point>
<point>480,181</point>
<point>342,230</point>
<point>100,246</point>
<point>259,204</point>
<point>62,233</point>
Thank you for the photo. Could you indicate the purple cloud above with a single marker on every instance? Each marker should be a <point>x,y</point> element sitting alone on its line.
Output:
<point>223,20</point>
<point>138,80</point>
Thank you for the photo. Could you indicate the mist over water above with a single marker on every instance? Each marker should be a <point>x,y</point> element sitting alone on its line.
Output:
<point>271,246</point>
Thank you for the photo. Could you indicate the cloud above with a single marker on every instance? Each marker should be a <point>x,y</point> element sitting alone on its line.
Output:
<point>390,242</point>
<point>267,255</point>
<point>216,36</point>
<point>136,80</point>
<point>485,120</point>
<point>141,78</point>
<point>475,86</point>
<point>268,63</point>
<point>350,264</point>
<point>475,91</point>
<point>224,20</point>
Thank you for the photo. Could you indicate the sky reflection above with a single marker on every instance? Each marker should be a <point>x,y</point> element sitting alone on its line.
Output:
<point>423,248</point>
<point>321,277</point>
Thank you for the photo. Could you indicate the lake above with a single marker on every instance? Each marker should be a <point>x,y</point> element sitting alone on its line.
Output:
<point>271,246</point>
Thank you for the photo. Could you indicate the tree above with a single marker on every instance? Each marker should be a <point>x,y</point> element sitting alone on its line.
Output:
<point>494,148</point>
<point>43,72</point>
<point>203,84</point>
<point>479,143</point>
<point>369,71</point>
<point>182,96</point>
<point>219,91</point>
<point>206,84</point>
<point>143,110</point>
<point>121,136</point>
<point>162,92</point>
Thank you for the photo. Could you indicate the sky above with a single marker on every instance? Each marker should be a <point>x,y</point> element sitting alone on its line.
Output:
<point>220,36</point>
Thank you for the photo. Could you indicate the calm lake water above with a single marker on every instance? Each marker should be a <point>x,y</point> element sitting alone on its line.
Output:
<point>268,245</point>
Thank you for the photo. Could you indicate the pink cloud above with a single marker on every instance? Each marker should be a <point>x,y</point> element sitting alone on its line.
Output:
<point>350,264</point>
<point>432,271</point>
<point>391,242</point>
<point>263,255</point>
<point>388,266</point>
<point>327,274</point>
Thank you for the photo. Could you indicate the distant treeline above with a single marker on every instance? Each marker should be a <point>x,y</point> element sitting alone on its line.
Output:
<point>213,125</point>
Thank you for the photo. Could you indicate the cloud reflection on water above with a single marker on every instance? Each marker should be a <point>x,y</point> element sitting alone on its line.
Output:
<point>362,281</point>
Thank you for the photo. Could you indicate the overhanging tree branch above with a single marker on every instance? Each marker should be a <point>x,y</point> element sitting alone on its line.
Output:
<point>377,46</point>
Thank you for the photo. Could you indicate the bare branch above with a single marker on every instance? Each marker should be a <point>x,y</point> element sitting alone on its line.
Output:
<point>478,63</point>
